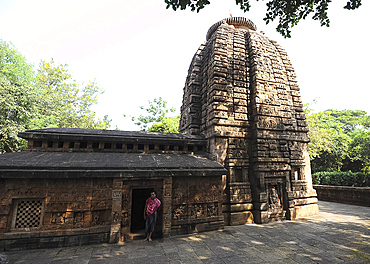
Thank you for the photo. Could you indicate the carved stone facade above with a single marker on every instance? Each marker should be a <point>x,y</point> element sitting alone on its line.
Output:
<point>241,157</point>
<point>80,207</point>
<point>79,186</point>
<point>242,95</point>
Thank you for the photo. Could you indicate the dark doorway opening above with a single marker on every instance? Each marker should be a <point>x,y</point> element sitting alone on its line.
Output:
<point>139,197</point>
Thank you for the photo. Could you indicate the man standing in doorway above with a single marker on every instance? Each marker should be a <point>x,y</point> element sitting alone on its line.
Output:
<point>150,214</point>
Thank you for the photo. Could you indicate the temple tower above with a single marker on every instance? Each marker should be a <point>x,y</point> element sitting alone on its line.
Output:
<point>242,95</point>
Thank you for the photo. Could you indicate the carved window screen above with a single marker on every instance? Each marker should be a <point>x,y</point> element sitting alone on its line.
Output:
<point>28,213</point>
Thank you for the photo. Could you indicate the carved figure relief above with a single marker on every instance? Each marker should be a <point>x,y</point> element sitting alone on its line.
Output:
<point>58,218</point>
<point>96,219</point>
<point>116,217</point>
<point>78,220</point>
<point>274,198</point>
<point>212,210</point>
<point>125,219</point>
<point>125,201</point>
<point>179,213</point>
<point>197,211</point>
<point>99,217</point>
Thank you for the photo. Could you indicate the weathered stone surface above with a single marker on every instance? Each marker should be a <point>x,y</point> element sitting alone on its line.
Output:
<point>241,114</point>
<point>92,188</point>
<point>241,218</point>
<point>244,76</point>
<point>344,194</point>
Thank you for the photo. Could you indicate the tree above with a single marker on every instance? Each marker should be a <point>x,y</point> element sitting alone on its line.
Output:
<point>350,120</point>
<point>18,97</point>
<point>318,134</point>
<point>288,13</point>
<point>49,99</point>
<point>360,151</point>
<point>167,125</point>
<point>64,103</point>
<point>157,118</point>
<point>329,144</point>
<point>339,140</point>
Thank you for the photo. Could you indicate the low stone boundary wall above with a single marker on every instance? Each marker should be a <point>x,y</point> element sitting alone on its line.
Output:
<point>52,239</point>
<point>344,194</point>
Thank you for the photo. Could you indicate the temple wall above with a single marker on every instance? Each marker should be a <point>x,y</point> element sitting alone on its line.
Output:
<point>41,213</point>
<point>54,212</point>
<point>196,205</point>
<point>251,112</point>
<point>279,132</point>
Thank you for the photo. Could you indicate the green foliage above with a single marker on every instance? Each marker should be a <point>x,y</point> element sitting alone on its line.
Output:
<point>329,144</point>
<point>62,102</point>
<point>347,178</point>
<point>49,98</point>
<point>18,97</point>
<point>350,120</point>
<point>288,13</point>
<point>360,150</point>
<point>339,140</point>
<point>168,125</point>
<point>319,135</point>
<point>156,119</point>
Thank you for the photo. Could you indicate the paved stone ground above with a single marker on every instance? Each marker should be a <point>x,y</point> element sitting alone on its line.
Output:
<point>339,234</point>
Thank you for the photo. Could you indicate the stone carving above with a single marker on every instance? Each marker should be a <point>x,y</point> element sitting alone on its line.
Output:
<point>96,219</point>
<point>274,198</point>
<point>125,219</point>
<point>101,194</point>
<point>179,213</point>
<point>117,194</point>
<point>212,209</point>
<point>101,184</point>
<point>80,195</point>
<point>197,211</point>
<point>96,205</point>
<point>245,92</point>
<point>58,218</point>
<point>28,192</point>
<point>99,218</point>
<point>78,219</point>
<point>125,201</point>
<point>116,217</point>
<point>241,104</point>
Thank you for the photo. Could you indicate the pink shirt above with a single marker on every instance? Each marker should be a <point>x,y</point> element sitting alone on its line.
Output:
<point>152,205</point>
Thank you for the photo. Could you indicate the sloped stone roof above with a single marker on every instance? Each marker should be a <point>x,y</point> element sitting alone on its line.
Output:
<point>97,133</point>
<point>65,164</point>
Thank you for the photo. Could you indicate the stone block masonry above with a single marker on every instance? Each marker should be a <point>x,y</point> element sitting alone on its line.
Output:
<point>344,194</point>
<point>242,95</point>
<point>95,190</point>
<point>64,212</point>
<point>241,157</point>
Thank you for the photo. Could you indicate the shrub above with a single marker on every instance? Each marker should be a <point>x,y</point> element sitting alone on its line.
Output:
<point>341,178</point>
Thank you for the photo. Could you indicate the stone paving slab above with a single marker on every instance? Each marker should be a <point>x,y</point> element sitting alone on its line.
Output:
<point>340,233</point>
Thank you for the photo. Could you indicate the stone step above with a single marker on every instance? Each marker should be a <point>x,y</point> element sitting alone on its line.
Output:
<point>137,234</point>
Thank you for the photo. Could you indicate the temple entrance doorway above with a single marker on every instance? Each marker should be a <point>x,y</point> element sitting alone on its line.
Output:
<point>139,197</point>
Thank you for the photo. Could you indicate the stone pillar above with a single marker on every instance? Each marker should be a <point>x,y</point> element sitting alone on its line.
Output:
<point>126,212</point>
<point>167,208</point>
<point>115,229</point>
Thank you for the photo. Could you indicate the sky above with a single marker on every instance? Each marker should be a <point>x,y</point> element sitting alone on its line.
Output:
<point>139,50</point>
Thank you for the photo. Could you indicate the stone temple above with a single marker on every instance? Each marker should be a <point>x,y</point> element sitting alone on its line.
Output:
<point>242,95</point>
<point>241,157</point>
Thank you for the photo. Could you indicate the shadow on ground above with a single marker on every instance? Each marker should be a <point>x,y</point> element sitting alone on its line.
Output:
<point>339,234</point>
